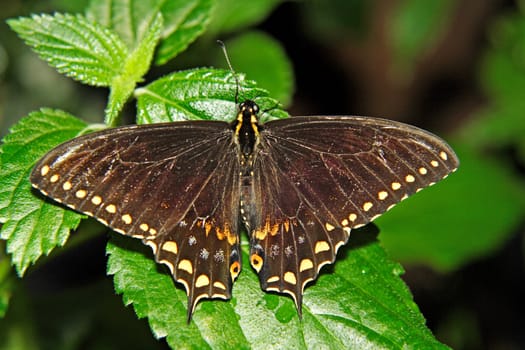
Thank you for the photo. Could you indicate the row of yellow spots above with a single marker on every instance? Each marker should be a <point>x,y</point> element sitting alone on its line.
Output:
<point>187,266</point>
<point>305,264</point>
<point>96,200</point>
<point>382,195</point>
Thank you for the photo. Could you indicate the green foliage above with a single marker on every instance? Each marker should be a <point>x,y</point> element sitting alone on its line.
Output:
<point>76,47</point>
<point>31,226</point>
<point>416,27</point>
<point>184,21</point>
<point>503,77</point>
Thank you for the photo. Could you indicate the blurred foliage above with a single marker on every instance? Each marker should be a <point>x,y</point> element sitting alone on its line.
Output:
<point>415,27</point>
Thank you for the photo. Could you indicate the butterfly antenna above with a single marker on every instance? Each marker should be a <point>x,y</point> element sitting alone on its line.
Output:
<point>223,46</point>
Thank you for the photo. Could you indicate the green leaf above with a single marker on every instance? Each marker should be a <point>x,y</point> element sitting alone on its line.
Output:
<point>199,94</point>
<point>82,50</point>
<point>270,66</point>
<point>362,303</point>
<point>468,215</point>
<point>184,21</point>
<point>31,226</point>
<point>134,67</point>
<point>231,15</point>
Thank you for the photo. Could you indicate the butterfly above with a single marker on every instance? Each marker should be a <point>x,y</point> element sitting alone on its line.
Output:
<point>299,186</point>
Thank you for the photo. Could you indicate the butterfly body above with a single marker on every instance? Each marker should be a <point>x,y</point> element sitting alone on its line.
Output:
<point>299,186</point>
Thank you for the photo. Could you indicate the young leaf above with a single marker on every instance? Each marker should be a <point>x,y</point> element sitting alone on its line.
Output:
<point>184,21</point>
<point>31,226</point>
<point>200,94</point>
<point>362,303</point>
<point>82,50</point>
<point>134,67</point>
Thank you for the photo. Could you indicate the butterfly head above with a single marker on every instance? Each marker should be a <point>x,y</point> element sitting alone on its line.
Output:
<point>248,111</point>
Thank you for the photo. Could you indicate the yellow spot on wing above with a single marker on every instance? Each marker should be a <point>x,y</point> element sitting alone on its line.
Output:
<point>443,155</point>
<point>54,178</point>
<point>80,193</point>
<point>306,264</point>
<point>410,178</point>
<point>321,246</point>
<point>382,195</point>
<point>396,186</point>
<point>367,206</point>
<point>328,227</point>
<point>273,279</point>
<point>97,200</point>
<point>44,170</point>
<point>219,285</point>
<point>66,186</point>
<point>171,247</point>
<point>290,277</point>
<point>202,281</point>
<point>186,265</point>
<point>144,227</point>
<point>127,219</point>
<point>112,209</point>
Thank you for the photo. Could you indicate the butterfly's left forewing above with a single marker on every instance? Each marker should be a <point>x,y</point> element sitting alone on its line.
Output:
<point>175,186</point>
<point>317,178</point>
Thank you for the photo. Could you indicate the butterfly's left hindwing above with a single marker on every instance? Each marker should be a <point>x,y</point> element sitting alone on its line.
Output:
<point>175,186</point>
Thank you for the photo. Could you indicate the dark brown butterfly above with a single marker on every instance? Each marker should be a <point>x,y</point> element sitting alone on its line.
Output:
<point>299,186</point>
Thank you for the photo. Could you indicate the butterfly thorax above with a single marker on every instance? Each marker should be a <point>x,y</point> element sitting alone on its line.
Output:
<point>246,133</point>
